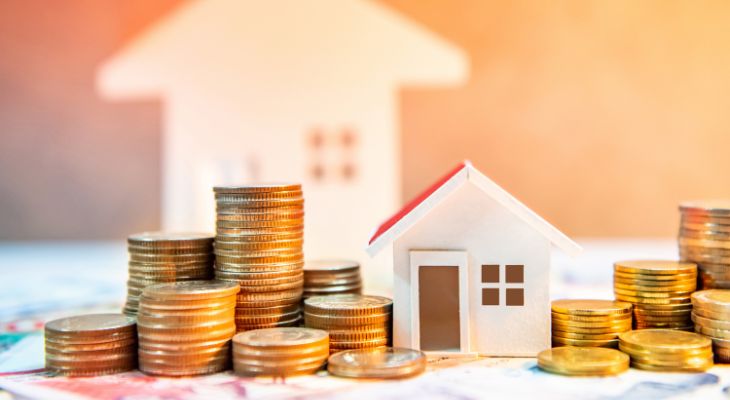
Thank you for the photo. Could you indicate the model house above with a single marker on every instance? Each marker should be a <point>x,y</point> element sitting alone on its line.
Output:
<point>284,90</point>
<point>471,269</point>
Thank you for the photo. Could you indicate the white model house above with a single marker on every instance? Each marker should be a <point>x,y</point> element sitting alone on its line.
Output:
<point>284,90</point>
<point>471,266</point>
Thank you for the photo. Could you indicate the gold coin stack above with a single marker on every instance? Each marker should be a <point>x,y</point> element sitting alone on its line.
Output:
<point>280,351</point>
<point>353,321</point>
<point>659,290</point>
<point>704,238</point>
<point>667,350</point>
<point>185,328</point>
<point>258,244</point>
<point>90,345</point>
<point>377,363</point>
<point>589,323</point>
<point>159,257</point>
<point>326,277</point>
<point>711,315</point>
<point>583,361</point>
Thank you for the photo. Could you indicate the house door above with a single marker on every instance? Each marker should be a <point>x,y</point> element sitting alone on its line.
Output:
<point>439,301</point>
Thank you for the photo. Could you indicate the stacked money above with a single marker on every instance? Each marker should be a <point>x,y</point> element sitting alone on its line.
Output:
<point>667,350</point>
<point>704,238</point>
<point>157,257</point>
<point>377,363</point>
<point>280,352</point>
<point>185,328</point>
<point>353,321</point>
<point>659,290</point>
<point>325,277</point>
<point>583,361</point>
<point>89,345</point>
<point>711,315</point>
<point>589,323</point>
<point>258,244</point>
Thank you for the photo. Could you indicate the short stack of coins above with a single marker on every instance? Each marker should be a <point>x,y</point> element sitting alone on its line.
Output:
<point>667,350</point>
<point>589,323</point>
<point>280,352</point>
<point>90,345</point>
<point>159,257</point>
<point>353,321</point>
<point>326,277</point>
<point>258,244</point>
<point>185,328</point>
<point>711,315</point>
<point>659,290</point>
<point>704,239</point>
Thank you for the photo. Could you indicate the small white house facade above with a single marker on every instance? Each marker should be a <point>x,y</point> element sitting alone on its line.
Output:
<point>471,269</point>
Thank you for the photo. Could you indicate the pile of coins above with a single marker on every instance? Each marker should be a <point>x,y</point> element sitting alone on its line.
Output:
<point>325,277</point>
<point>90,345</point>
<point>583,361</point>
<point>258,244</point>
<point>353,321</point>
<point>185,328</point>
<point>589,323</point>
<point>280,352</point>
<point>704,239</point>
<point>711,315</point>
<point>157,257</point>
<point>659,290</point>
<point>667,350</point>
<point>377,363</point>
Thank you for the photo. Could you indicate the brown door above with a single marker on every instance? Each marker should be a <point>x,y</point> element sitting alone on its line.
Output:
<point>438,293</point>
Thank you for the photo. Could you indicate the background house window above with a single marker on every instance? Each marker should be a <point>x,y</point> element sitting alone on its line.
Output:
<point>513,284</point>
<point>333,154</point>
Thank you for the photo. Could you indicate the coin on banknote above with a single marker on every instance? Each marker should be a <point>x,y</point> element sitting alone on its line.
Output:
<point>381,363</point>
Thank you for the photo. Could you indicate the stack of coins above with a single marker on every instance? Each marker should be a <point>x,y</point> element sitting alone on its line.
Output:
<point>704,238</point>
<point>157,257</point>
<point>377,363</point>
<point>659,290</point>
<point>325,277</point>
<point>353,321</point>
<point>90,345</point>
<point>280,352</point>
<point>711,315</point>
<point>589,323</point>
<point>258,244</point>
<point>185,328</point>
<point>583,361</point>
<point>667,350</point>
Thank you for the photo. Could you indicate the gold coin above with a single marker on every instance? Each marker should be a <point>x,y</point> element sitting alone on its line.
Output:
<point>380,363</point>
<point>560,341</point>
<point>91,326</point>
<point>333,290</point>
<point>652,295</point>
<point>583,361</point>
<point>258,188</point>
<point>649,308</point>
<point>266,319</point>
<point>719,244</point>
<point>240,327</point>
<point>358,344</point>
<point>192,290</point>
<point>703,312</point>
<point>655,267</point>
<point>277,370</point>
<point>348,305</point>
<point>664,286</point>
<point>706,207</point>
<point>592,331</point>
<point>713,332</point>
<point>170,239</point>
<point>711,323</point>
<point>683,277</point>
<point>715,300</point>
<point>584,336</point>
<point>331,322</point>
<point>661,368</point>
<point>664,340</point>
<point>591,318</point>
<point>590,307</point>
<point>652,300</point>
<point>331,266</point>
<point>593,324</point>
<point>660,318</point>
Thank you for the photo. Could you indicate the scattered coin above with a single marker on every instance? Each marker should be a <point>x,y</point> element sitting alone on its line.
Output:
<point>583,361</point>
<point>380,363</point>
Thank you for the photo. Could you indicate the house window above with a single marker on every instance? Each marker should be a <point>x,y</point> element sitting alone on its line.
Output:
<point>333,154</point>
<point>513,285</point>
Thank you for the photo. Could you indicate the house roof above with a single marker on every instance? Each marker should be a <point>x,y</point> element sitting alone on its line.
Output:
<point>414,210</point>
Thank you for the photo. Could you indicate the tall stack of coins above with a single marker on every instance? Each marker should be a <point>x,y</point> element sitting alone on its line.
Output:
<point>704,238</point>
<point>280,351</point>
<point>157,257</point>
<point>583,361</point>
<point>325,277</point>
<point>258,244</point>
<point>185,328</point>
<point>589,323</point>
<point>711,315</point>
<point>377,363</point>
<point>667,350</point>
<point>353,321</point>
<point>659,290</point>
<point>90,345</point>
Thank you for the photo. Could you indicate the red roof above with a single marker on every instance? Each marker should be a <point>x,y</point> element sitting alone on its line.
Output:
<point>415,202</point>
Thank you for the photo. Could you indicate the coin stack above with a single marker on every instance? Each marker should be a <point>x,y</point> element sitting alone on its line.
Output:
<point>659,290</point>
<point>589,323</point>
<point>258,244</point>
<point>704,238</point>
<point>711,315</point>
<point>353,321</point>
<point>583,361</point>
<point>157,257</point>
<point>667,350</point>
<point>185,328</point>
<point>325,277</point>
<point>90,345</point>
<point>377,363</point>
<point>280,352</point>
